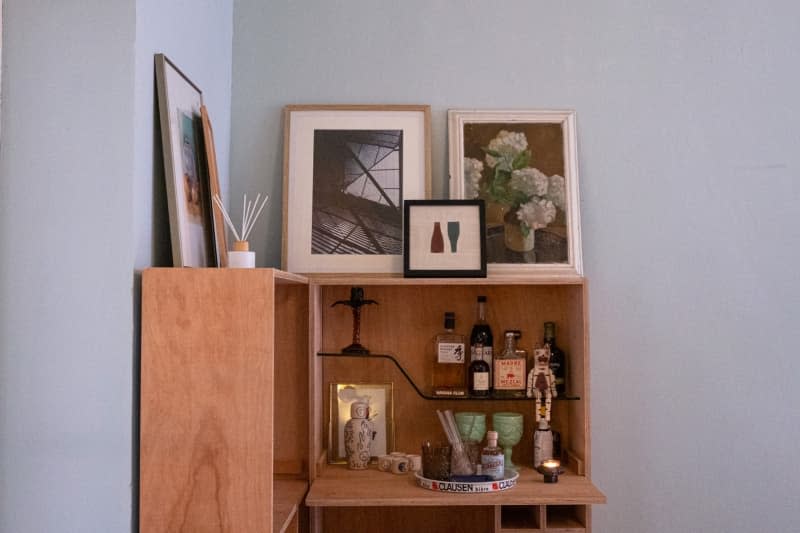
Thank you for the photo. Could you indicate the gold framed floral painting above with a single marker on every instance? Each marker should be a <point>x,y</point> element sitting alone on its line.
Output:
<point>524,165</point>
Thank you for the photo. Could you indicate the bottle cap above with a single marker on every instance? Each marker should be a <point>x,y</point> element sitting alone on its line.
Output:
<point>449,320</point>
<point>549,329</point>
<point>481,298</point>
<point>510,333</point>
<point>491,436</point>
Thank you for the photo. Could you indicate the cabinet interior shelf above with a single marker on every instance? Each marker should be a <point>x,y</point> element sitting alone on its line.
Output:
<point>426,395</point>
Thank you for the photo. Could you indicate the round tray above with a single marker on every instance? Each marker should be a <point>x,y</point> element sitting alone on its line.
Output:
<point>509,480</point>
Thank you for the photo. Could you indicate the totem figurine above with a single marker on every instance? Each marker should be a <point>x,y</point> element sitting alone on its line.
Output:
<point>355,302</point>
<point>542,382</point>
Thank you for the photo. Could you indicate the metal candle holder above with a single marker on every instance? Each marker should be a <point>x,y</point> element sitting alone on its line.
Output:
<point>355,302</point>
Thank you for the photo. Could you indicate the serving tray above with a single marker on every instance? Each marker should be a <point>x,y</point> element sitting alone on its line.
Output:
<point>509,480</point>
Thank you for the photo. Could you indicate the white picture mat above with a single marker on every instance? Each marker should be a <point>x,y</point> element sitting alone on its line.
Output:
<point>458,118</point>
<point>301,180</point>
<point>421,221</point>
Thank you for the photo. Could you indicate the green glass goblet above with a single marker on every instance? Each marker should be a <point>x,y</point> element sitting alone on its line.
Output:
<point>471,426</point>
<point>509,432</point>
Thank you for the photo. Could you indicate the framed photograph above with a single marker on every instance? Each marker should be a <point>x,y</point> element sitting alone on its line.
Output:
<point>524,165</point>
<point>444,239</point>
<point>189,204</point>
<point>379,396</point>
<point>217,219</point>
<point>347,171</point>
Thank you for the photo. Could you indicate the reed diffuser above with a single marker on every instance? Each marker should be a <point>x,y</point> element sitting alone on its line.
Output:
<point>241,256</point>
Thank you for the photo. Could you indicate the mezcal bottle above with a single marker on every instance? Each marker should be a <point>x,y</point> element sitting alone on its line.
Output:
<point>509,370</point>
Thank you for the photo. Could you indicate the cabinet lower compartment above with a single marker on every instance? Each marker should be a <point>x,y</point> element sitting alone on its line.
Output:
<point>373,501</point>
<point>464,519</point>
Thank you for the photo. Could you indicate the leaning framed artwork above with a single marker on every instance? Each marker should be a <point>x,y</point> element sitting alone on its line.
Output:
<point>217,218</point>
<point>444,239</point>
<point>188,200</point>
<point>379,396</point>
<point>347,170</point>
<point>524,165</point>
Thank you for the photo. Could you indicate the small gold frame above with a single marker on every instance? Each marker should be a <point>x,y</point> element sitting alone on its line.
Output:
<point>381,413</point>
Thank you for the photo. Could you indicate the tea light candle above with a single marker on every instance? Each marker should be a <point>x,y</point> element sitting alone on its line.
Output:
<point>550,468</point>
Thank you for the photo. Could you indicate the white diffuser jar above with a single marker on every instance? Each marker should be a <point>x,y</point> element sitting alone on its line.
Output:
<point>241,256</point>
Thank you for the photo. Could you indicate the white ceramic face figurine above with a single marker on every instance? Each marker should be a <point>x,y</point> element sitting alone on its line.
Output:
<point>542,382</point>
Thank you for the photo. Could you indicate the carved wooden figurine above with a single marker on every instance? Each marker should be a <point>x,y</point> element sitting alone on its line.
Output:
<point>542,382</point>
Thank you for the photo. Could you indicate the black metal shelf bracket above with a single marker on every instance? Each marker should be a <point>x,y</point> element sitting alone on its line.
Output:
<point>419,391</point>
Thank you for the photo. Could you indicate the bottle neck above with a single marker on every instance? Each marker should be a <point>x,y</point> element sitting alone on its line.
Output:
<point>550,333</point>
<point>511,343</point>
<point>481,312</point>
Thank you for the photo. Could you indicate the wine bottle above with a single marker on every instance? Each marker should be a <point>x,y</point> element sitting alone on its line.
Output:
<point>482,336</point>
<point>558,360</point>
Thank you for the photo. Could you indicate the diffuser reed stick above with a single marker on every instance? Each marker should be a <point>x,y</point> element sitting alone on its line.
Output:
<point>250,213</point>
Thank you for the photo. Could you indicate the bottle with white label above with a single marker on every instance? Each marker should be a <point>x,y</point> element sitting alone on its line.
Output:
<point>478,373</point>
<point>492,458</point>
<point>509,370</point>
<point>481,338</point>
<point>449,365</point>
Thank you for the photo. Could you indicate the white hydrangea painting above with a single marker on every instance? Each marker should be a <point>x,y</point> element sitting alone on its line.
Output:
<point>523,165</point>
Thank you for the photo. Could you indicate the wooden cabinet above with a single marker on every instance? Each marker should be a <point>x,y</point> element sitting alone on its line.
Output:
<point>408,316</point>
<point>224,400</point>
<point>235,414</point>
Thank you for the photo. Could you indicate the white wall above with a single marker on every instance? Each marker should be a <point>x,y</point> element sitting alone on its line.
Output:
<point>688,141</point>
<point>82,211</point>
<point>66,258</point>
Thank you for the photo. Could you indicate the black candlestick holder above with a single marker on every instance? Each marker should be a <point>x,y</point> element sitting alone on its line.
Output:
<point>355,302</point>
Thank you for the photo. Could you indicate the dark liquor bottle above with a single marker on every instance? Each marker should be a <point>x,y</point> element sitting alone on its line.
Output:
<point>478,373</point>
<point>482,336</point>
<point>558,360</point>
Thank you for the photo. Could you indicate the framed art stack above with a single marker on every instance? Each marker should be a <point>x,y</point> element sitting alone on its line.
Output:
<point>185,167</point>
<point>347,171</point>
<point>524,165</point>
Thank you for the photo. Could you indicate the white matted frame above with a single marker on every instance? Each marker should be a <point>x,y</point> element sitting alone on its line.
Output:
<point>524,164</point>
<point>347,170</point>
<point>381,414</point>
<point>179,103</point>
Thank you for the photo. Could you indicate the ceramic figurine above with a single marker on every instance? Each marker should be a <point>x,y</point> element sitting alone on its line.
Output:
<point>542,382</point>
<point>358,435</point>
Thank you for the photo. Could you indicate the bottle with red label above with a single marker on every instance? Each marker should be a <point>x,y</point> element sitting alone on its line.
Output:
<point>510,370</point>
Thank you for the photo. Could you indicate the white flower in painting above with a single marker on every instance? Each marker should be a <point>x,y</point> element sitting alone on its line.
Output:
<point>508,144</point>
<point>537,213</point>
<point>530,181</point>
<point>557,191</point>
<point>473,169</point>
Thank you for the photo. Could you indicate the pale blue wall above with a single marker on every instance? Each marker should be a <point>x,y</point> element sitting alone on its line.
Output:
<point>82,210</point>
<point>66,266</point>
<point>689,154</point>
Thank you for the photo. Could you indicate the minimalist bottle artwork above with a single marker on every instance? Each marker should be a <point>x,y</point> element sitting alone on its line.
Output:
<point>437,238</point>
